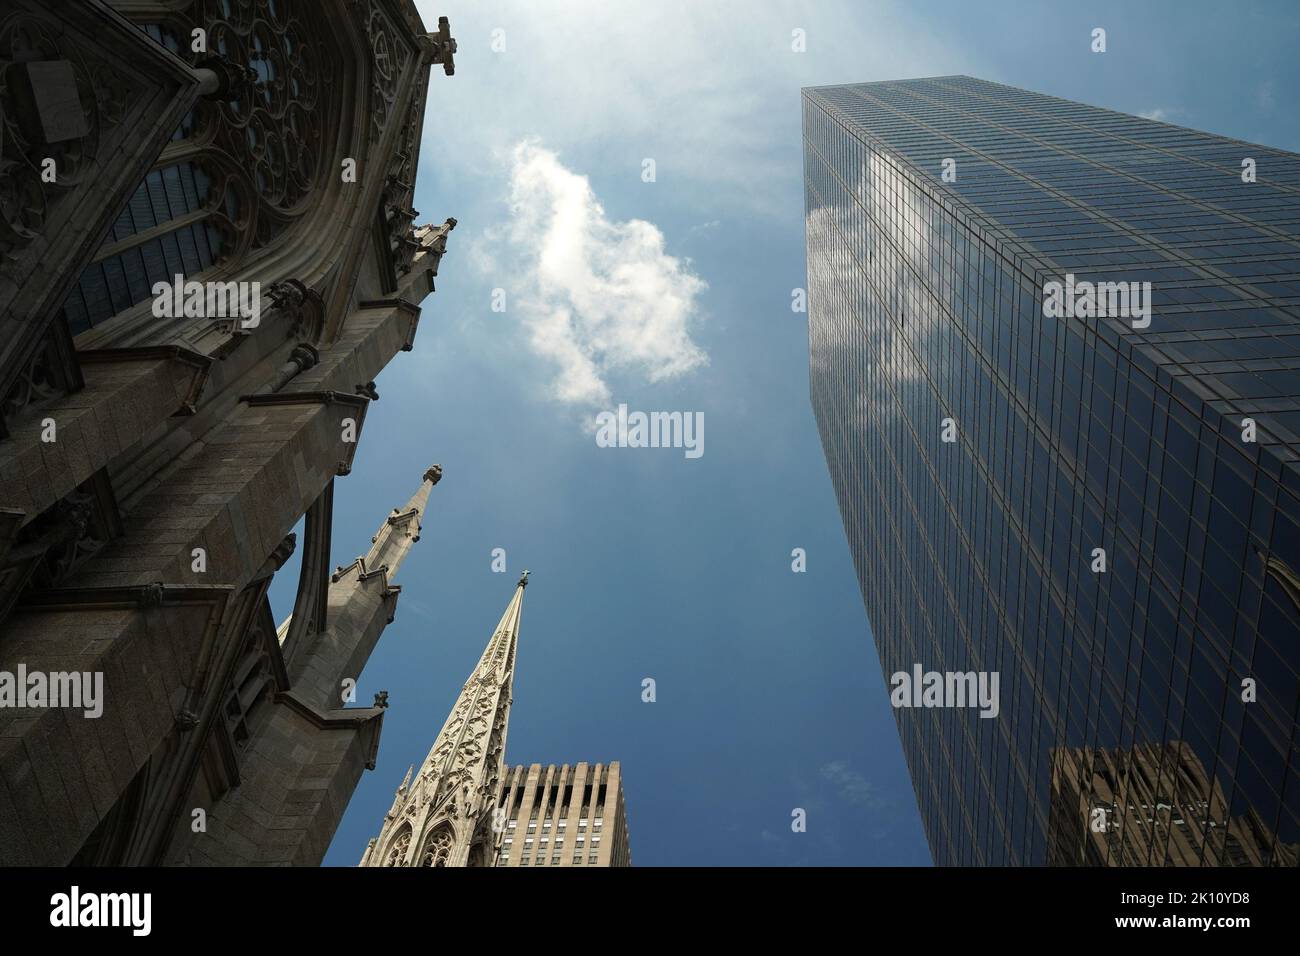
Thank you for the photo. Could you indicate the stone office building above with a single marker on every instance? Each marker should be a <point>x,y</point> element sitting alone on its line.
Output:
<point>543,807</point>
<point>153,465</point>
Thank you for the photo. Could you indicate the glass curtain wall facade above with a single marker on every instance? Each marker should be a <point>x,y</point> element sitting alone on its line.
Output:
<point>1076,504</point>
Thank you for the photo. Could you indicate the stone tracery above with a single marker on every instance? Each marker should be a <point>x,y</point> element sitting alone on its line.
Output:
<point>397,850</point>
<point>437,847</point>
<point>271,126</point>
<point>242,166</point>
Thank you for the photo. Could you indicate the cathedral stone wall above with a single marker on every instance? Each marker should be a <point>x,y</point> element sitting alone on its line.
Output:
<point>153,466</point>
<point>300,773</point>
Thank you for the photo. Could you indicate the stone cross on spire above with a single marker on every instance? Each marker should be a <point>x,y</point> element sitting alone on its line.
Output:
<point>439,48</point>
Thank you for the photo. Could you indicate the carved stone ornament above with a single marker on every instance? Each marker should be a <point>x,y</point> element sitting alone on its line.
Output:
<point>67,99</point>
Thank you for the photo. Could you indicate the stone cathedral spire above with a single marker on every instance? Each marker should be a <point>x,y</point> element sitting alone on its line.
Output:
<point>307,737</point>
<point>444,816</point>
<point>391,543</point>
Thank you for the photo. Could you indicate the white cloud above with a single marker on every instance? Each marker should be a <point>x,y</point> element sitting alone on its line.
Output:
<point>851,786</point>
<point>1266,97</point>
<point>1160,114</point>
<point>597,296</point>
<point>709,90</point>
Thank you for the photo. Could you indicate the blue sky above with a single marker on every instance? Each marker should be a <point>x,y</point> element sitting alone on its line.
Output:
<point>675,295</point>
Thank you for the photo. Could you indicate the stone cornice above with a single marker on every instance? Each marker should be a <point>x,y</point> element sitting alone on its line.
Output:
<point>140,597</point>
<point>355,719</point>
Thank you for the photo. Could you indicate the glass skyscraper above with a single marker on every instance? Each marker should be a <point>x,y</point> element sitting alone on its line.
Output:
<point>1099,505</point>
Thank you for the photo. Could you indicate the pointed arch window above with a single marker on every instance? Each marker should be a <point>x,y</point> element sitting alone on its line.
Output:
<point>238,171</point>
<point>437,847</point>
<point>398,848</point>
<point>175,224</point>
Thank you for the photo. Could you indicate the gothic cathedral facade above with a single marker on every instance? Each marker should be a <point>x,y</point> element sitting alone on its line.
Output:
<point>157,450</point>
